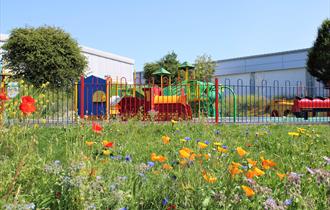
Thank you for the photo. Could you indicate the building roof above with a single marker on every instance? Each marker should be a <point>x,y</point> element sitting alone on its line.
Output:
<point>266,62</point>
<point>91,51</point>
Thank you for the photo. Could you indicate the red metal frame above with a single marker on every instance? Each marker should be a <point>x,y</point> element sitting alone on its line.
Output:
<point>82,94</point>
<point>216,100</point>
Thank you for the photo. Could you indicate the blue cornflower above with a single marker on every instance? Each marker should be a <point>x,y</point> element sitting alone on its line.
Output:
<point>288,202</point>
<point>150,164</point>
<point>244,167</point>
<point>128,158</point>
<point>187,138</point>
<point>207,142</point>
<point>224,147</point>
<point>164,201</point>
<point>198,140</point>
<point>124,208</point>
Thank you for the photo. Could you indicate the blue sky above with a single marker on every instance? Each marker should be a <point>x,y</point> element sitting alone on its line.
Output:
<point>145,30</point>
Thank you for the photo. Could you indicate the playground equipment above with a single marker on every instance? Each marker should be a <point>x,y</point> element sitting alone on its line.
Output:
<point>302,106</point>
<point>103,98</point>
<point>280,107</point>
<point>163,107</point>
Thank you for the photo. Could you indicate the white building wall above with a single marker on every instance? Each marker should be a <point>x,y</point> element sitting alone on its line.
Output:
<point>102,64</point>
<point>282,78</point>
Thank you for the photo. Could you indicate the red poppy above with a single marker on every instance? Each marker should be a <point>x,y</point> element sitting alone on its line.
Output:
<point>108,145</point>
<point>97,128</point>
<point>27,106</point>
<point>28,99</point>
<point>3,96</point>
<point>173,206</point>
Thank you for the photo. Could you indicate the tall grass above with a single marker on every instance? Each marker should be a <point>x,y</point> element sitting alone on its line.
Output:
<point>52,167</point>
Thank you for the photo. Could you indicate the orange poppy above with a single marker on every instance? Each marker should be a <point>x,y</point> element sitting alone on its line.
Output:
<point>167,167</point>
<point>209,179</point>
<point>97,128</point>
<point>241,151</point>
<point>250,174</point>
<point>184,154</point>
<point>233,169</point>
<point>281,176</point>
<point>258,172</point>
<point>248,191</point>
<point>89,143</point>
<point>252,162</point>
<point>158,158</point>
<point>166,139</point>
<point>267,164</point>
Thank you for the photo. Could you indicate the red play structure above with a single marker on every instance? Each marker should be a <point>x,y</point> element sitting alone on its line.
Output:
<point>164,107</point>
<point>301,106</point>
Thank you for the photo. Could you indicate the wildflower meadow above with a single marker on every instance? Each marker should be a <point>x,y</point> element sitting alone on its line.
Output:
<point>175,165</point>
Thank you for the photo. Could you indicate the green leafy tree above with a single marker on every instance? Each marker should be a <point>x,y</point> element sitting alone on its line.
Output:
<point>318,63</point>
<point>44,54</point>
<point>204,67</point>
<point>169,62</point>
<point>148,69</point>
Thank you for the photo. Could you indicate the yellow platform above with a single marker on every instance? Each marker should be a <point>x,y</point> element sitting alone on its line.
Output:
<point>169,99</point>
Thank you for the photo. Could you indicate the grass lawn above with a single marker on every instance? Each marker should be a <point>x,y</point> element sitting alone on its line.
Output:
<point>165,166</point>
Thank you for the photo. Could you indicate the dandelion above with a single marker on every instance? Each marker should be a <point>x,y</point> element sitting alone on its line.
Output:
<point>218,144</point>
<point>97,128</point>
<point>241,151</point>
<point>166,139</point>
<point>293,134</point>
<point>248,191</point>
<point>106,152</point>
<point>222,150</point>
<point>202,145</point>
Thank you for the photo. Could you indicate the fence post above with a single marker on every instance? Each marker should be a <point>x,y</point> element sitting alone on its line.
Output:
<point>82,95</point>
<point>216,101</point>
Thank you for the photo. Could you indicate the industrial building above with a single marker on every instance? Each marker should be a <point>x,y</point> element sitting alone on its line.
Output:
<point>102,64</point>
<point>280,70</point>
